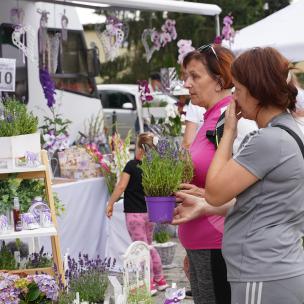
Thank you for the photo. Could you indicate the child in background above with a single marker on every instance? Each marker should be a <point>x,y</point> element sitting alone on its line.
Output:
<point>138,225</point>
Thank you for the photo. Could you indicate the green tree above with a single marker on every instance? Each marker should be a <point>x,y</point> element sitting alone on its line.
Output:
<point>275,5</point>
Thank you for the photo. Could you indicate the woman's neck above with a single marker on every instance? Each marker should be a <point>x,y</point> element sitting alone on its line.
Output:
<point>217,97</point>
<point>265,115</point>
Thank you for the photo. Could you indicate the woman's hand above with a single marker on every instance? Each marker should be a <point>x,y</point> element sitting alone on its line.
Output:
<point>232,116</point>
<point>109,211</point>
<point>190,208</point>
<point>192,190</point>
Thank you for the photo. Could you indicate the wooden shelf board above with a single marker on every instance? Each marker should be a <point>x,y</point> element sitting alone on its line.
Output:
<point>48,270</point>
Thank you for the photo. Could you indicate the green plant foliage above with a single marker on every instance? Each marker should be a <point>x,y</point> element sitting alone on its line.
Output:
<point>66,298</point>
<point>7,260</point>
<point>140,295</point>
<point>188,172</point>
<point>91,285</point>
<point>26,190</point>
<point>155,104</point>
<point>39,260</point>
<point>162,236</point>
<point>15,120</point>
<point>55,123</point>
<point>93,127</point>
<point>161,175</point>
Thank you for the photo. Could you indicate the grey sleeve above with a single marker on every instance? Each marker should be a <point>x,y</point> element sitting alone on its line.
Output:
<point>260,152</point>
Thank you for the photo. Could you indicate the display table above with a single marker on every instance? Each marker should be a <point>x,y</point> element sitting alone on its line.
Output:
<point>83,225</point>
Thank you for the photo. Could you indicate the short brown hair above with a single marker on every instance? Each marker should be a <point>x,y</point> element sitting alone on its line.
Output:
<point>218,66</point>
<point>145,139</point>
<point>264,72</point>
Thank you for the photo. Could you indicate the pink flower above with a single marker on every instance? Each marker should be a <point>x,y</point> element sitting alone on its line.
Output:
<point>165,38</point>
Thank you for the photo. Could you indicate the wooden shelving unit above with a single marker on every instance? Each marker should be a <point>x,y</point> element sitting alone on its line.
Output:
<point>41,172</point>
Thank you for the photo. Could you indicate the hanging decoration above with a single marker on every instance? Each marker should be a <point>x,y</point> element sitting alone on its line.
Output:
<point>149,49</point>
<point>158,39</point>
<point>17,16</point>
<point>228,32</point>
<point>112,37</point>
<point>54,51</point>
<point>42,32</point>
<point>64,26</point>
<point>184,47</point>
<point>23,37</point>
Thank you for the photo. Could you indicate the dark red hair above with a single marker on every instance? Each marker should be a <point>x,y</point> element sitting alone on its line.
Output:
<point>265,74</point>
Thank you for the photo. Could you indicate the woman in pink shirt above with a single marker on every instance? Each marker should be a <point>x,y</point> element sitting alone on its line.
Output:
<point>208,78</point>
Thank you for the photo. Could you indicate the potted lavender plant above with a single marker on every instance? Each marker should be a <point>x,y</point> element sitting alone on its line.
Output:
<point>162,173</point>
<point>19,139</point>
<point>88,277</point>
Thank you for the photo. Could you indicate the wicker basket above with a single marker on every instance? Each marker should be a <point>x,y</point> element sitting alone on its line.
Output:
<point>166,251</point>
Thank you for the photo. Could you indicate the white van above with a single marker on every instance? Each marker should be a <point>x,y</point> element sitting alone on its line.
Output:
<point>75,84</point>
<point>122,99</point>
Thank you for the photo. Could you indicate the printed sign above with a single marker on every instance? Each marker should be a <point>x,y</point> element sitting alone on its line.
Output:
<point>7,74</point>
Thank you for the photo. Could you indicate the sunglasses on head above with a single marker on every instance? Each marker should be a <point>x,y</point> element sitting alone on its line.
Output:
<point>206,48</point>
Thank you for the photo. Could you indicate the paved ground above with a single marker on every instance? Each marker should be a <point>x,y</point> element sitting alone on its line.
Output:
<point>175,274</point>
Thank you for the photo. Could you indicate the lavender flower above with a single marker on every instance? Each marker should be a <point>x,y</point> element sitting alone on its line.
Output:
<point>163,147</point>
<point>47,86</point>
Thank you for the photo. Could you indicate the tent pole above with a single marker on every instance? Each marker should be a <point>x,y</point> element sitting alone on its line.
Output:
<point>217,25</point>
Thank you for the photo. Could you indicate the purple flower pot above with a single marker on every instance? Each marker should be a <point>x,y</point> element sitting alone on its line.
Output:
<point>160,208</point>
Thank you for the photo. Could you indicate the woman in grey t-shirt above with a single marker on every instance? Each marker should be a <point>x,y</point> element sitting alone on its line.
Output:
<point>263,230</point>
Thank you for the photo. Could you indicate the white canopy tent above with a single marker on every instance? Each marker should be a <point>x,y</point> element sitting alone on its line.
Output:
<point>152,5</point>
<point>283,30</point>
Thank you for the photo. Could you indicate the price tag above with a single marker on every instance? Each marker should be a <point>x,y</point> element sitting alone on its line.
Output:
<point>7,74</point>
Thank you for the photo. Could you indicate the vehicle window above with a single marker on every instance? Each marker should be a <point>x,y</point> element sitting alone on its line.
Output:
<point>115,100</point>
<point>71,71</point>
<point>9,50</point>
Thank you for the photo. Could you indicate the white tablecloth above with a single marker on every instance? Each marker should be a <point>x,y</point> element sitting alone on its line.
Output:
<point>83,226</point>
<point>118,235</point>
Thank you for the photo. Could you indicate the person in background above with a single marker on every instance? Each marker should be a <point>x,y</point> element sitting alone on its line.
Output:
<point>155,82</point>
<point>138,225</point>
<point>262,244</point>
<point>194,120</point>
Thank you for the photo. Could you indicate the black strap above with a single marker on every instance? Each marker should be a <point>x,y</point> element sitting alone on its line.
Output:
<point>216,135</point>
<point>294,135</point>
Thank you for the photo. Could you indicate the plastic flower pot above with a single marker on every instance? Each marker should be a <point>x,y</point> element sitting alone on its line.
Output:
<point>160,208</point>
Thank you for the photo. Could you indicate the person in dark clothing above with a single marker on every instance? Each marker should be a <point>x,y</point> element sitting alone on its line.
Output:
<point>138,225</point>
